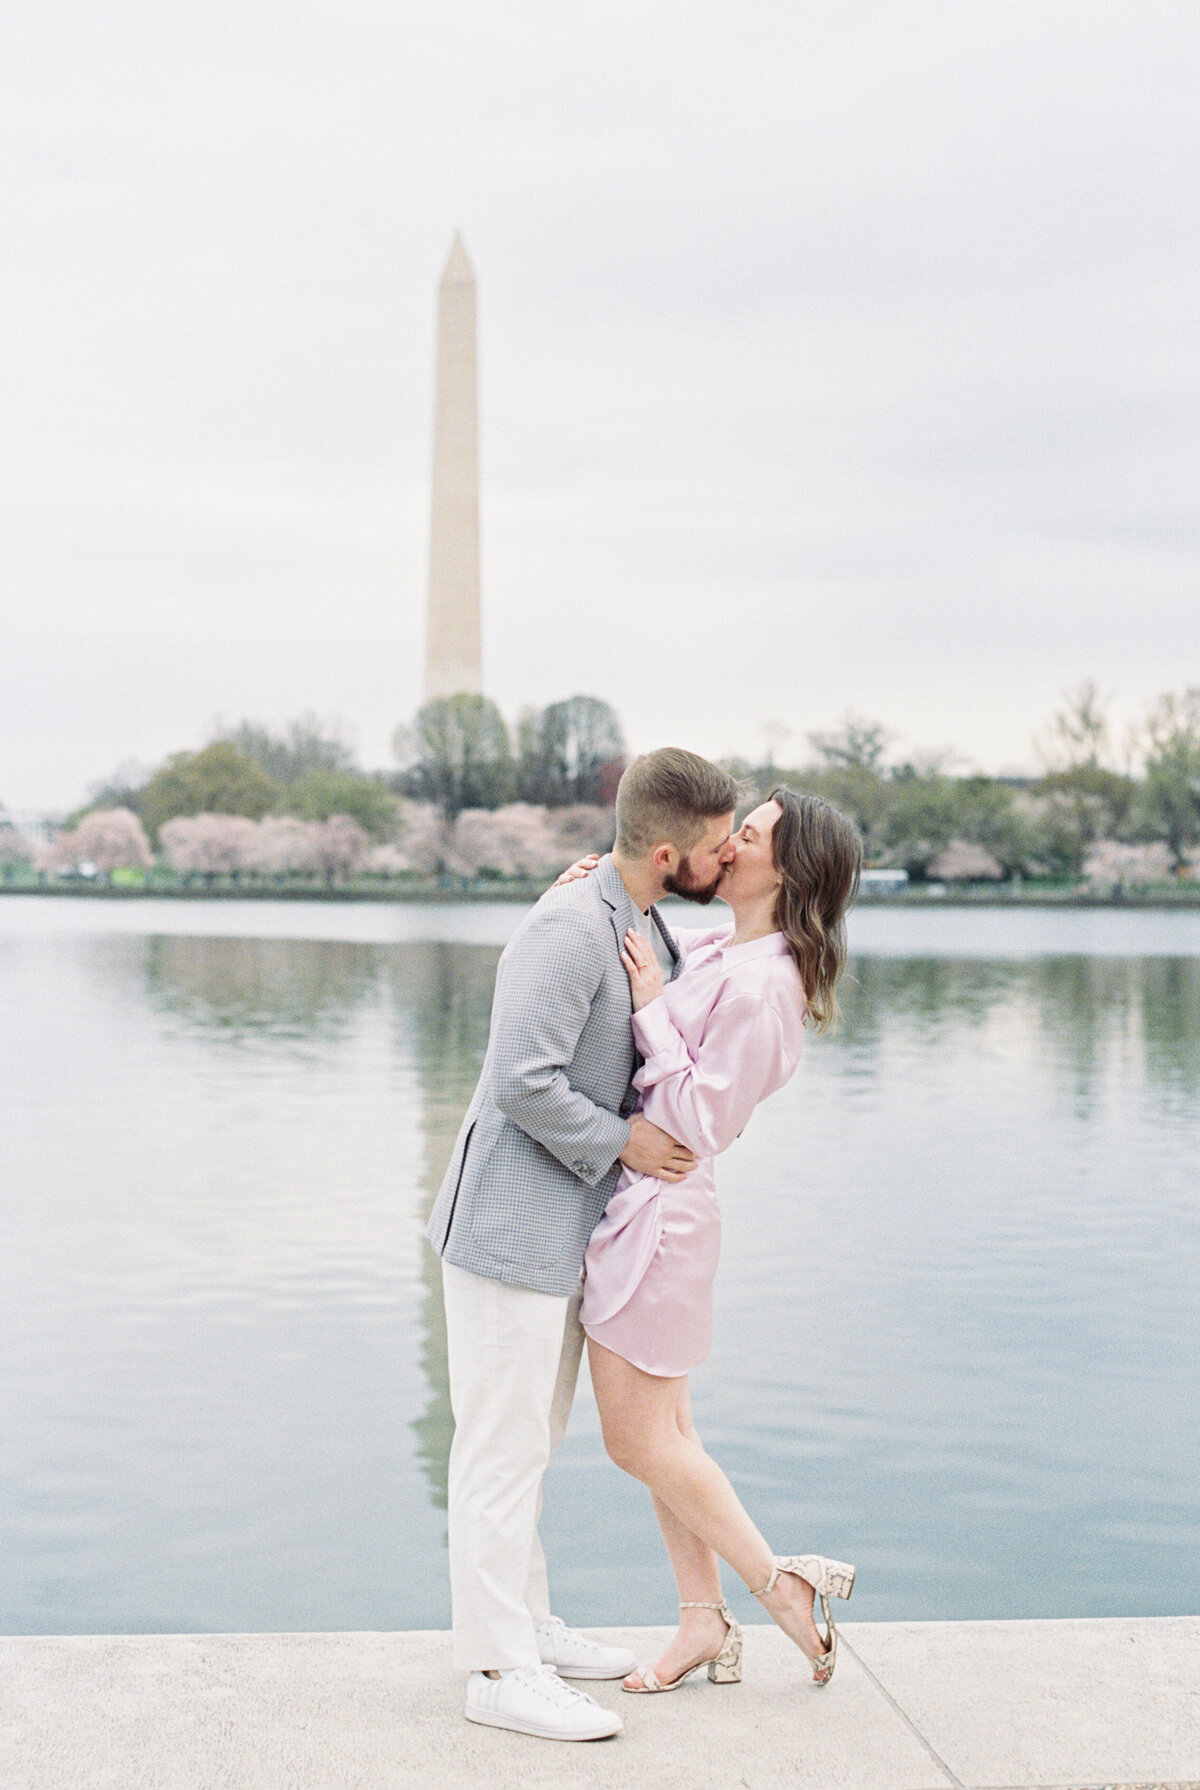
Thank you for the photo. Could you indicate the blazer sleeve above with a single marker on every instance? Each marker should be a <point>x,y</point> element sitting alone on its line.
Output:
<point>705,1101</point>
<point>547,980</point>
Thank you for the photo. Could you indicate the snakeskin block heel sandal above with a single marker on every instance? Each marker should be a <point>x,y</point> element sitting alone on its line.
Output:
<point>828,1578</point>
<point>724,1667</point>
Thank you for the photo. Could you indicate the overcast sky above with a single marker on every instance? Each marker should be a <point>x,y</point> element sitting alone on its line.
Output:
<point>834,357</point>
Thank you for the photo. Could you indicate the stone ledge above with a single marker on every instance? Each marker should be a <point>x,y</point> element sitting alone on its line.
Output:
<point>1073,1705</point>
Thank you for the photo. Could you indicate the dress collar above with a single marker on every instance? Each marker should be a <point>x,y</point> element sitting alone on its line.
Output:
<point>772,944</point>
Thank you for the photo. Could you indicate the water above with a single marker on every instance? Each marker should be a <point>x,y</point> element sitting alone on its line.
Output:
<point>956,1312</point>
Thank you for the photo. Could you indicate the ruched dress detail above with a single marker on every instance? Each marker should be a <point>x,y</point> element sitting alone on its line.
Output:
<point>726,1033</point>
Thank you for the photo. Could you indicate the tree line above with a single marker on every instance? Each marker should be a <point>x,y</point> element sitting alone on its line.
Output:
<point>1138,798</point>
<point>472,796</point>
<point>458,753</point>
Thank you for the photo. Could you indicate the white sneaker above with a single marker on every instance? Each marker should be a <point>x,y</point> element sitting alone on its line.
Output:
<point>576,1655</point>
<point>538,1702</point>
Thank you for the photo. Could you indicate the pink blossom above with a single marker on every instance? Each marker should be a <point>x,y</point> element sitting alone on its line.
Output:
<point>340,845</point>
<point>511,841</point>
<point>1110,862</point>
<point>209,844</point>
<point>386,860</point>
<point>581,829</point>
<point>58,853</point>
<point>283,844</point>
<point>962,862</point>
<point>422,838</point>
<point>110,838</point>
<point>114,839</point>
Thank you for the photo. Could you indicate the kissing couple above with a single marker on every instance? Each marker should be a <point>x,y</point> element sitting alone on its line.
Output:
<point>580,1202</point>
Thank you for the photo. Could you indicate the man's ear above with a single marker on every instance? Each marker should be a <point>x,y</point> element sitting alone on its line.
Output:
<point>663,859</point>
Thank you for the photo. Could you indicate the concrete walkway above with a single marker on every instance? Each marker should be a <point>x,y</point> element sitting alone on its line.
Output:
<point>913,1706</point>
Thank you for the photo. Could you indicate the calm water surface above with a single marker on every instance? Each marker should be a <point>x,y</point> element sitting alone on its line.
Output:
<point>956,1330</point>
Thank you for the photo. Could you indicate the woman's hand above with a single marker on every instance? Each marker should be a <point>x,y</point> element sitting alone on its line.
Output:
<point>581,867</point>
<point>643,968</point>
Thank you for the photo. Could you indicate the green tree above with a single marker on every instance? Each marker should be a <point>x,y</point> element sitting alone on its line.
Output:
<point>1079,734</point>
<point>1082,797</point>
<point>322,793</point>
<point>216,780</point>
<point>993,815</point>
<point>851,776</point>
<point>1080,805</point>
<point>305,748</point>
<point>461,755</point>
<point>123,789</point>
<point>1170,795</point>
<point>573,752</point>
<point>926,810</point>
<point>855,744</point>
<point>921,818</point>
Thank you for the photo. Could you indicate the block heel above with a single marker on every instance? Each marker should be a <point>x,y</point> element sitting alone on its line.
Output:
<point>723,1668</point>
<point>828,1578</point>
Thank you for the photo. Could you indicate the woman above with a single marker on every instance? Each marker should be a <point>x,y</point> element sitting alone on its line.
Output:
<point>720,1038</point>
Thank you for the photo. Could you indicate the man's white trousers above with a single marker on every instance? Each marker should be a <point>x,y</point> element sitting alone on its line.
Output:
<point>514,1360</point>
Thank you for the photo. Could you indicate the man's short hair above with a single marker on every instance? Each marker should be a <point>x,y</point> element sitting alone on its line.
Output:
<point>668,797</point>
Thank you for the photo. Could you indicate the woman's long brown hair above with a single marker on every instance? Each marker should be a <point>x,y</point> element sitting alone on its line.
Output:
<point>818,853</point>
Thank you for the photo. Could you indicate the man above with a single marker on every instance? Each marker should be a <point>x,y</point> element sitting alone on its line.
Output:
<point>534,1166</point>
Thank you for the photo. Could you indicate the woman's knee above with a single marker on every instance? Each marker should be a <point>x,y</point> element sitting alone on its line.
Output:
<point>626,1448</point>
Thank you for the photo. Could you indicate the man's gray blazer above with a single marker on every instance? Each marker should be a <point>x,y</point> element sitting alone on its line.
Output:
<point>536,1160</point>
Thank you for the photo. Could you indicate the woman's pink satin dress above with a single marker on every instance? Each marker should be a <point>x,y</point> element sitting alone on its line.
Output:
<point>722,1036</point>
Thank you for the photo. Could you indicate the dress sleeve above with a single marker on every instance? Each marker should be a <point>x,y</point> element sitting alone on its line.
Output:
<point>746,1052</point>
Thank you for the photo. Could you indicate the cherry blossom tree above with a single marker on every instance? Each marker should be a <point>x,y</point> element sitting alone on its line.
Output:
<point>284,844</point>
<point>340,846</point>
<point>56,854</point>
<point>962,862</point>
<point>209,844</point>
<point>114,839</point>
<point>422,838</point>
<point>386,860</point>
<point>512,841</point>
<point>109,839</point>
<point>1111,864</point>
<point>582,828</point>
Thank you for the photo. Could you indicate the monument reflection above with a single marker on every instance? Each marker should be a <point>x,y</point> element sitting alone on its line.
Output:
<point>442,996</point>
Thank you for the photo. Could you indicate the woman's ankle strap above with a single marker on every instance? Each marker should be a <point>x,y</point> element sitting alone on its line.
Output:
<point>770,1584</point>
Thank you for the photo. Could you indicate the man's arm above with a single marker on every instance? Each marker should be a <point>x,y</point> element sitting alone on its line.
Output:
<point>547,981</point>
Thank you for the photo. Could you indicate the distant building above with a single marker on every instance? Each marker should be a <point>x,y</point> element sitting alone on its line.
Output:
<point>886,881</point>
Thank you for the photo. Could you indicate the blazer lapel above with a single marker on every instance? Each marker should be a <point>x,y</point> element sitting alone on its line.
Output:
<point>616,897</point>
<point>624,914</point>
<point>665,932</point>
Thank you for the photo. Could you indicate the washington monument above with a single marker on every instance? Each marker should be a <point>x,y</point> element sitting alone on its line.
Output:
<point>453,655</point>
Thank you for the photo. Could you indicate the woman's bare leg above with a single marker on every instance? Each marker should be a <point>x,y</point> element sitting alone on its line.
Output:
<point>697,1572</point>
<point>639,1414</point>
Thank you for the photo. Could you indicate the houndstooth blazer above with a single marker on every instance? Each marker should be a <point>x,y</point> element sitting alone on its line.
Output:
<point>536,1159</point>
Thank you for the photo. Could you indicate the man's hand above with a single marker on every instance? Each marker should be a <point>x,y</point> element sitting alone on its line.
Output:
<point>654,1152</point>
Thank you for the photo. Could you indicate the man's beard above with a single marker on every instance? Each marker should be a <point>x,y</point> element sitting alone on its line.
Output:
<point>689,891</point>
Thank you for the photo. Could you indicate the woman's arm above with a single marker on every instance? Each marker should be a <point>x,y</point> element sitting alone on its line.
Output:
<point>747,1051</point>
